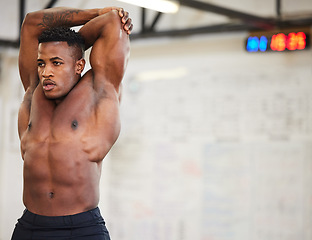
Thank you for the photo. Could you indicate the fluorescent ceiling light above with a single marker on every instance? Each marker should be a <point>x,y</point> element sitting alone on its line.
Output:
<point>157,5</point>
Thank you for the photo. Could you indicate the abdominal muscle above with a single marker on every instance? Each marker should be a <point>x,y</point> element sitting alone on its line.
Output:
<point>59,179</point>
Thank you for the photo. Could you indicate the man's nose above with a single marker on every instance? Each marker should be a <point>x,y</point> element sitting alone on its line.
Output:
<point>47,71</point>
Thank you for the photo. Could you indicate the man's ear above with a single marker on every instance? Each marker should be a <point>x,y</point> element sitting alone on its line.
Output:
<point>80,65</point>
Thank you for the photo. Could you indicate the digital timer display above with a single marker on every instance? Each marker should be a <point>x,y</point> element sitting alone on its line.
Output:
<point>278,42</point>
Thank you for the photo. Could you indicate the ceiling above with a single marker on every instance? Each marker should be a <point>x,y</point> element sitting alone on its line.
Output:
<point>194,16</point>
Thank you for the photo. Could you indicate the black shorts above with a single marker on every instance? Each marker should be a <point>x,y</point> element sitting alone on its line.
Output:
<point>87,225</point>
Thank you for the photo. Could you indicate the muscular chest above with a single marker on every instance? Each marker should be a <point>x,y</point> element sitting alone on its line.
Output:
<point>74,126</point>
<point>71,117</point>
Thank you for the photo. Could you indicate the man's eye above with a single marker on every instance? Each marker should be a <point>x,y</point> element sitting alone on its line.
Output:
<point>57,63</point>
<point>40,64</point>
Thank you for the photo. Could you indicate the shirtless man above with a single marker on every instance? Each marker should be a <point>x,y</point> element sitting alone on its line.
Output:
<point>67,122</point>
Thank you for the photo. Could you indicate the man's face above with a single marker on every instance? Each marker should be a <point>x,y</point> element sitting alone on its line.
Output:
<point>58,70</point>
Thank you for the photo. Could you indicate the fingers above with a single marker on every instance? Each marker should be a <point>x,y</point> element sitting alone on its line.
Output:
<point>129,26</point>
<point>124,16</point>
<point>127,22</point>
<point>121,12</point>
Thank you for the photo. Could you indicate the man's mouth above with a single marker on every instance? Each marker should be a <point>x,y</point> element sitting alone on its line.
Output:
<point>48,85</point>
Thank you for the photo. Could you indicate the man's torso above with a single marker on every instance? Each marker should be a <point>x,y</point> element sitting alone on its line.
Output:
<point>63,148</point>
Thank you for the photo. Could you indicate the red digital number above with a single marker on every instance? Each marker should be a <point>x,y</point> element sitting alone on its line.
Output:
<point>292,41</point>
<point>296,41</point>
<point>301,37</point>
<point>278,42</point>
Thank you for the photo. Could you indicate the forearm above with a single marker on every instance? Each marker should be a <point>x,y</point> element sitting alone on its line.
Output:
<point>110,49</point>
<point>53,17</point>
<point>100,26</point>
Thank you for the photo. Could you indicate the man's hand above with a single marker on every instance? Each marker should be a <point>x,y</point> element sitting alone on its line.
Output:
<point>126,21</point>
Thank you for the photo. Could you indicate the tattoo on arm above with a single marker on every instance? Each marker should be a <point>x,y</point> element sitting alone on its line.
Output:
<point>63,18</point>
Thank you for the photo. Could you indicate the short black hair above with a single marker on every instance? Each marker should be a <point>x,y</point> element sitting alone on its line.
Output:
<point>63,34</point>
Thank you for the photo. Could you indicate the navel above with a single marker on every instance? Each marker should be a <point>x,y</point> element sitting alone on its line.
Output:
<point>74,124</point>
<point>51,195</point>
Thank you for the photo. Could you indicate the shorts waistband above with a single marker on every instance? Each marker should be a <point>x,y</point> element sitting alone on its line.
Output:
<point>68,220</point>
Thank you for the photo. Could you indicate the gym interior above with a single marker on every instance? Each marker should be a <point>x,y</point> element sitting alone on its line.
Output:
<point>216,122</point>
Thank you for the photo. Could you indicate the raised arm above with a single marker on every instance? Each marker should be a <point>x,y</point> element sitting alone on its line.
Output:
<point>33,25</point>
<point>108,36</point>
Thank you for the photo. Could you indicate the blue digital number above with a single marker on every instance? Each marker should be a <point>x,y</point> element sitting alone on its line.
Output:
<point>254,44</point>
<point>263,44</point>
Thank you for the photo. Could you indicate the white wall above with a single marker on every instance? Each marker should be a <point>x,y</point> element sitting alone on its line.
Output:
<point>222,151</point>
<point>11,93</point>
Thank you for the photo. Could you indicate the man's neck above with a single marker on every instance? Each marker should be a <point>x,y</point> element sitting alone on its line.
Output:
<point>59,100</point>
